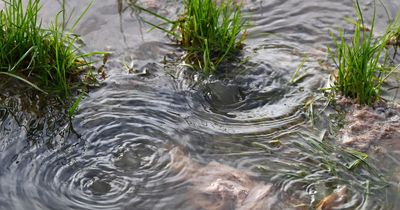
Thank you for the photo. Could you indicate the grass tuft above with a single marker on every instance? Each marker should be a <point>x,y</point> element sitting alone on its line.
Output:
<point>210,32</point>
<point>360,72</point>
<point>394,34</point>
<point>45,58</point>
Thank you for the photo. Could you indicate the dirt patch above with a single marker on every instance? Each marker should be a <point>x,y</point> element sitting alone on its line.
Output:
<point>216,186</point>
<point>368,126</point>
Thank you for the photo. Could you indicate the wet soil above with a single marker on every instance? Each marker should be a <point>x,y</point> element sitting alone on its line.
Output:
<point>366,127</point>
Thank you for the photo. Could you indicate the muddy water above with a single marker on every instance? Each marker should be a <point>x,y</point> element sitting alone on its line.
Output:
<point>249,122</point>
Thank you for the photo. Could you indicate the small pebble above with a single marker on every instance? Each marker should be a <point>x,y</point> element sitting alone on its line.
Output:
<point>380,110</point>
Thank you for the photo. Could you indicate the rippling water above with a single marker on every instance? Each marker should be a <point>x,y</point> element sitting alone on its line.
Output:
<point>251,119</point>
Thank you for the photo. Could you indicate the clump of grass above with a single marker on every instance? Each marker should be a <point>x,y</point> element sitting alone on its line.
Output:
<point>45,58</point>
<point>360,72</point>
<point>210,32</point>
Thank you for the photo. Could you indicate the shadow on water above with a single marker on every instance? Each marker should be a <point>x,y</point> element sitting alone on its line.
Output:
<point>249,122</point>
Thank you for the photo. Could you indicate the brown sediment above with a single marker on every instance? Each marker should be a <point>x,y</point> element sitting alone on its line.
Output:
<point>217,186</point>
<point>333,200</point>
<point>367,126</point>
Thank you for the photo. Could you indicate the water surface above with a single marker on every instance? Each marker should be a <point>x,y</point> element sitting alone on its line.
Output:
<point>251,119</point>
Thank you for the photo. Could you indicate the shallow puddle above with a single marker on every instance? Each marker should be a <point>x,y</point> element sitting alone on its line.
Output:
<point>249,124</point>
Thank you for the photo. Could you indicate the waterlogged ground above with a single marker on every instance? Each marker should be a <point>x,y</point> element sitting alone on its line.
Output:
<point>156,135</point>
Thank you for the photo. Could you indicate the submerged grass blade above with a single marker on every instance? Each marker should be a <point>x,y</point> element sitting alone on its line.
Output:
<point>23,80</point>
<point>153,14</point>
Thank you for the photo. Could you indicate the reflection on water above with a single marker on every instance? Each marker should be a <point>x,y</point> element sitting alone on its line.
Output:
<point>243,137</point>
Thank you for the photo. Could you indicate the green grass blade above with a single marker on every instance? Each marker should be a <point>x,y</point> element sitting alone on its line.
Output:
<point>23,80</point>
